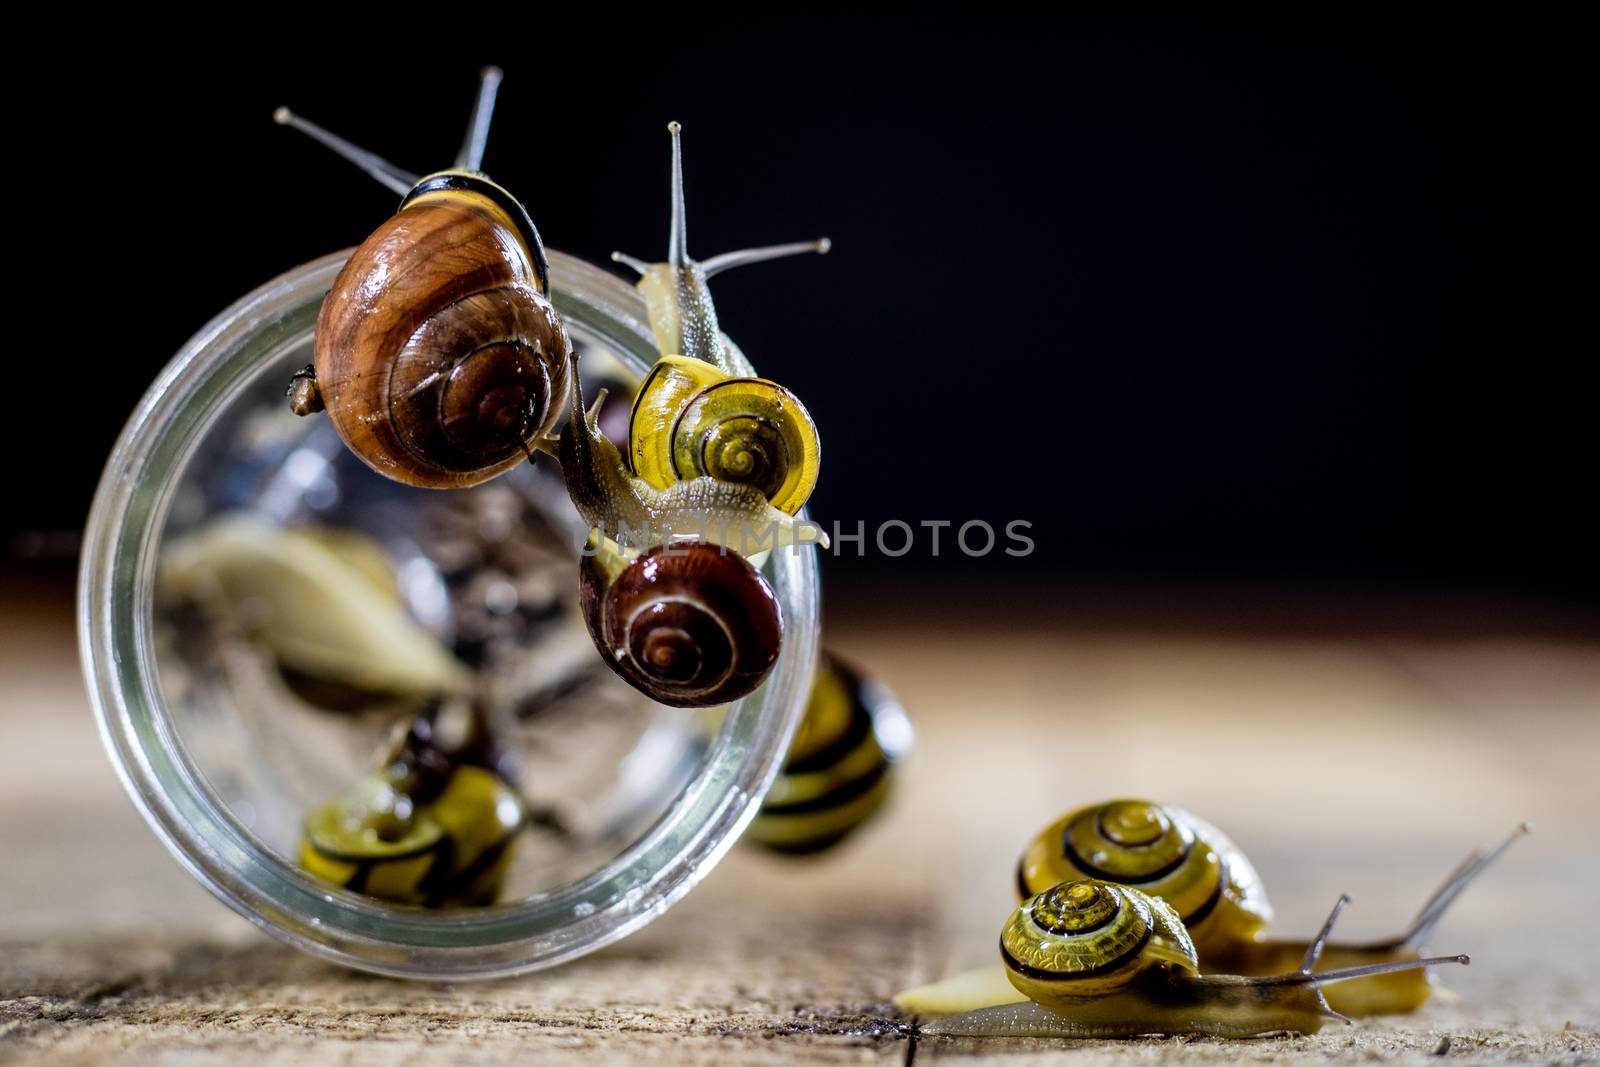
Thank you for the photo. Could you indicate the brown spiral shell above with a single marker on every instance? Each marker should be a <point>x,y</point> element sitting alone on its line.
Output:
<point>687,624</point>
<point>439,357</point>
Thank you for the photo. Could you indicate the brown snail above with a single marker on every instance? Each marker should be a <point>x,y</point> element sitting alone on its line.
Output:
<point>439,357</point>
<point>688,624</point>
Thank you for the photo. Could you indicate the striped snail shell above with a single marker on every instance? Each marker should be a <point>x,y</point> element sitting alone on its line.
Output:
<point>840,767</point>
<point>687,624</point>
<point>1100,960</point>
<point>1086,938</point>
<point>439,357</point>
<point>379,840</point>
<point>1161,850</point>
<point>690,419</point>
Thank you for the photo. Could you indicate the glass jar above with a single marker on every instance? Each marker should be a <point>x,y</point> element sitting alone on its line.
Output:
<point>224,764</point>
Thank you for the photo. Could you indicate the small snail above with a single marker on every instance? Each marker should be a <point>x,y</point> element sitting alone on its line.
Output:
<point>1098,960</point>
<point>636,514</point>
<point>839,769</point>
<point>701,410</point>
<point>439,357</point>
<point>1170,853</point>
<point>688,624</point>
<point>435,826</point>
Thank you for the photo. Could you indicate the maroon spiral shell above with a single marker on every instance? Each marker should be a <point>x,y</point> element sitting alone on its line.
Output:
<point>688,625</point>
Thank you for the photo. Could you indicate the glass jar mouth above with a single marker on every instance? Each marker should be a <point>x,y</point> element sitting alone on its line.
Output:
<point>115,594</point>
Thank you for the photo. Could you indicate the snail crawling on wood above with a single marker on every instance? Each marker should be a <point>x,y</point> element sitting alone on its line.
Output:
<point>1095,959</point>
<point>1191,867</point>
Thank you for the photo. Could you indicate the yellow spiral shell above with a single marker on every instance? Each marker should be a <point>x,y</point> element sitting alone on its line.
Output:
<point>690,419</point>
<point>375,839</point>
<point>1161,850</point>
<point>838,771</point>
<point>1087,938</point>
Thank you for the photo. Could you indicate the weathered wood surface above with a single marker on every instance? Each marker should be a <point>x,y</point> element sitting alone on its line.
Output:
<point>1340,762</point>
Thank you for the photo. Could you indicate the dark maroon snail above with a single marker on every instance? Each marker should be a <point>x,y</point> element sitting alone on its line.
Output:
<point>688,624</point>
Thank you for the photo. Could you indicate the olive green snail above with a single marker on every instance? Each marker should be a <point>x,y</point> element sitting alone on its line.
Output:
<point>1178,858</point>
<point>1097,960</point>
<point>434,826</point>
<point>439,358</point>
<point>701,411</point>
<point>1173,854</point>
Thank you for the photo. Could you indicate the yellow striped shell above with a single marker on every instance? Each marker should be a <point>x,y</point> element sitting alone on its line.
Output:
<point>1086,938</point>
<point>1160,850</point>
<point>691,419</point>
<point>375,839</point>
<point>839,770</point>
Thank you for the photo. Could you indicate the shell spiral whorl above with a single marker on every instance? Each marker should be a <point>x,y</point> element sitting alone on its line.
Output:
<point>691,420</point>
<point>439,357</point>
<point>1083,937</point>
<point>687,624</point>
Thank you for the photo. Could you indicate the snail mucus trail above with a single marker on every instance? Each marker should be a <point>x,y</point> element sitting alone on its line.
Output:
<point>439,358</point>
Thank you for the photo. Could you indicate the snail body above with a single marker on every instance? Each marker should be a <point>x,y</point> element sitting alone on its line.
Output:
<point>702,411</point>
<point>1097,960</point>
<point>1168,852</point>
<point>439,357</point>
<point>840,767</point>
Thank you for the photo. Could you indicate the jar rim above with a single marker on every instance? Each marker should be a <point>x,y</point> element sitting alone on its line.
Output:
<point>115,597</point>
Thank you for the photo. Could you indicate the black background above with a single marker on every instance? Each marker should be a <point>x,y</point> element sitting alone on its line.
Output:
<point>1243,299</point>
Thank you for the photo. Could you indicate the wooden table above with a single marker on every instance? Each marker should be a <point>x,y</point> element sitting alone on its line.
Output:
<point>1345,755</point>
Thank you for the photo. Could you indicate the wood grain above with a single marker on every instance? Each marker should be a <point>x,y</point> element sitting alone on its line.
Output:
<point>1339,762</point>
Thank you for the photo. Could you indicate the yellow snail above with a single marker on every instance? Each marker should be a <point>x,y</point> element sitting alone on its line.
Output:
<point>439,357</point>
<point>839,768</point>
<point>1097,960</point>
<point>434,827</point>
<point>636,514</point>
<point>1171,853</point>
<point>701,410</point>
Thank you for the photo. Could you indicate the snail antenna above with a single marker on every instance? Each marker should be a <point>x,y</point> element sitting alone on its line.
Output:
<point>379,169</point>
<point>471,155</point>
<point>629,261</point>
<point>729,260</point>
<point>1463,876</point>
<point>1344,974</point>
<point>1314,950</point>
<point>677,240</point>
